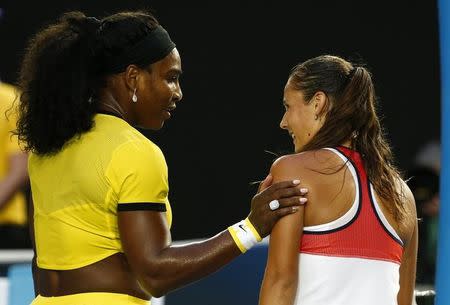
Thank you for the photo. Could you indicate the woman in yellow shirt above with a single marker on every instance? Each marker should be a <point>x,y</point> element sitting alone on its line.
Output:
<point>100,188</point>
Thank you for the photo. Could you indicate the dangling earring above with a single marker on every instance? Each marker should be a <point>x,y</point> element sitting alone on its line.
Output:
<point>134,97</point>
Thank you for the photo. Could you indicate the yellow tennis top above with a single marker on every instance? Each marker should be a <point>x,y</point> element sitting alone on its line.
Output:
<point>15,210</point>
<point>78,192</point>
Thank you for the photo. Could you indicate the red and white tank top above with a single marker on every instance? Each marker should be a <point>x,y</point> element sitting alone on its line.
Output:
<point>354,259</point>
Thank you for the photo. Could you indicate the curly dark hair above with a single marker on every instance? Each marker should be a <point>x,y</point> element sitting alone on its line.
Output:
<point>62,71</point>
<point>351,115</point>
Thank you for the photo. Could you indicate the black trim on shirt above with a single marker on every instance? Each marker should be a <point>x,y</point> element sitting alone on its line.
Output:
<point>372,202</point>
<point>141,206</point>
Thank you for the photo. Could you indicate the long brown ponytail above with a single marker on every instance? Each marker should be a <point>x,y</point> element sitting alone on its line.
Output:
<point>351,115</point>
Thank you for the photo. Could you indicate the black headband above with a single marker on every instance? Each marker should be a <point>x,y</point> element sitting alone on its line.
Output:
<point>152,48</point>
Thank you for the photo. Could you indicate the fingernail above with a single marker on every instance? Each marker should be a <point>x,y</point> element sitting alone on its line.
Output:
<point>304,190</point>
<point>296,181</point>
<point>303,200</point>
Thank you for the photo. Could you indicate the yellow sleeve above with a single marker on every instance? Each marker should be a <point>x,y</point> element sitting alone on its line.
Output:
<point>139,178</point>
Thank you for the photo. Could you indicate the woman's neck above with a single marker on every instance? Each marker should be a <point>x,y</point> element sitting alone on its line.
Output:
<point>106,102</point>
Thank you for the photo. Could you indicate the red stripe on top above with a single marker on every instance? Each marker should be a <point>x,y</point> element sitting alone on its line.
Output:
<point>365,237</point>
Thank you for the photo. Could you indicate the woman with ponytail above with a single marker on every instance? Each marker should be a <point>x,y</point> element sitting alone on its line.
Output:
<point>101,214</point>
<point>356,241</point>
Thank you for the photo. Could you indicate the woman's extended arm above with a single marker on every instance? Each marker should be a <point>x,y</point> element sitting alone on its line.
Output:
<point>162,267</point>
<point>16,177</point>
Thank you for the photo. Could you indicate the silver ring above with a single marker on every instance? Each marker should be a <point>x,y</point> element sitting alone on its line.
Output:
<point>274,204</point>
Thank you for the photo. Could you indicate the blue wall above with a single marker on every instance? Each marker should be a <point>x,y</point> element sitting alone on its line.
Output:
<point>443,259</point>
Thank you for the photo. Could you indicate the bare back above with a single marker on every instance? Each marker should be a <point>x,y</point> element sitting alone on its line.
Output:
<point>332,193</point>
<point>340,197</point>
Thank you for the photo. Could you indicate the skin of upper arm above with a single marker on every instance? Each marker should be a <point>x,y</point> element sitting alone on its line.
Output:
<point>138,173</point>
<point>15,178</point>
<point>143,234</point>
<point>18,163</point>
<point>281,275</point>
<point>409,259</point>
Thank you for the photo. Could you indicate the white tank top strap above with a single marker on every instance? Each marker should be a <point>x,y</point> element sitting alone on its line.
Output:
<point>379,213</point>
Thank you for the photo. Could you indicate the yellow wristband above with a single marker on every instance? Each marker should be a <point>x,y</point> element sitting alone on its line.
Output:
<point>252,228</point>
<point>244,235</point>
<point>236,240</point>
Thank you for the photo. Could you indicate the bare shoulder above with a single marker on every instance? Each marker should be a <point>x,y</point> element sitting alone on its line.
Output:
<point>407,194</point>
<point>309,162</point>
<point>407,223</point>
<point>410,218</point>
<point>331,191</point>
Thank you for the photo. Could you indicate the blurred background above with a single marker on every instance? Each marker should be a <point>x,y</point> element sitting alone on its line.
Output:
<point>236,57</point>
